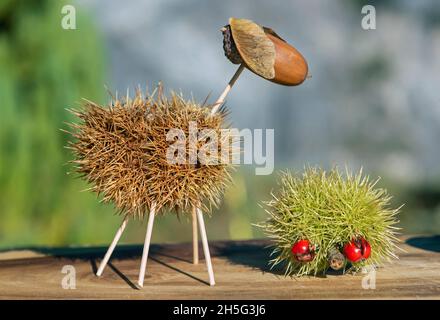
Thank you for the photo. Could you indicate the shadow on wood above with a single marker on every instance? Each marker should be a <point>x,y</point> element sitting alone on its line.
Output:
<point>180,271</point>
<point>122,276</point>
<point>431,243</point>
<point>122,252</point>
<point>254,254</point>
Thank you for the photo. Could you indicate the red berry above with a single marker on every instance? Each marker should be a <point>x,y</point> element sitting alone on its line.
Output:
<point>366,249</point>
<point>357,250</point>
<point>302,251</point>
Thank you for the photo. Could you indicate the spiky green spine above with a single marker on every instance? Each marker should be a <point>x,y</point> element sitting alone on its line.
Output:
<point>329,209</point>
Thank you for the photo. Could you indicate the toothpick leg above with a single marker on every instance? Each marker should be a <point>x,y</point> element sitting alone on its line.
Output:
<point>147,245</point>
<point>214,110</point>
<point>205,246</point>
<point>195,237</point>
<point>112,247</point>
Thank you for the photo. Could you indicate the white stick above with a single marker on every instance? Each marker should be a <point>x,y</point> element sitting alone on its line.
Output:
<point>147,245</point>
<point>111,248</point>
<point>228,88</point>
<point>205,247</point>
<point>214,110</point>
<point>195,237</point>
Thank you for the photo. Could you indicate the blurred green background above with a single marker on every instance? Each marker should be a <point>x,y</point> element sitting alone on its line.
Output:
<point>45,69</point>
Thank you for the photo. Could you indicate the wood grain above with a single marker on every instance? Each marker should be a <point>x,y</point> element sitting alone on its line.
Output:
<point>240,268</point>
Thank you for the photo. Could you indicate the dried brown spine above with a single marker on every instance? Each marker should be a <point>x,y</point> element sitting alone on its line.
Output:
<point>121,151</point>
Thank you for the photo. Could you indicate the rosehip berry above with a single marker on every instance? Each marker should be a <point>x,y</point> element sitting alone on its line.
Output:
<point>302,251</point>
<point>357,250</point>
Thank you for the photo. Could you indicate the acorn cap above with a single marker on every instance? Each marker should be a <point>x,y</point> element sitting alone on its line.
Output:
<point>263,52</point>
<point>255,48</point>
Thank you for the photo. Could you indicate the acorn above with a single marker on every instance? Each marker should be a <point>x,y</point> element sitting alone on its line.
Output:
<point>336,259</point>
<point>263,52</point>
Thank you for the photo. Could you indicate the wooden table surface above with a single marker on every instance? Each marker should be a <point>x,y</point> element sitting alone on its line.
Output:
<point>240,269</point>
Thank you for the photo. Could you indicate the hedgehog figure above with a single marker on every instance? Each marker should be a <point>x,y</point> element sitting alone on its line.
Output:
<point>323,220</point>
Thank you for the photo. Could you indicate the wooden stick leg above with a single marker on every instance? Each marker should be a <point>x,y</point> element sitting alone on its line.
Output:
<point>147,245</point>
<point>195,237</point>
<point>111,248</point>
<point>205,246</point>
<point>228,88</point>
<point>214,110</point>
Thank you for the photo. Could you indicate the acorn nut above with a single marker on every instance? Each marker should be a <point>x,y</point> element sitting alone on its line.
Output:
<point>263,52</point>
<point>336,259</point>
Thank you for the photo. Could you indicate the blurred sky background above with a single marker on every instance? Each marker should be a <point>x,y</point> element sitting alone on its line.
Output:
<point>372,102</point>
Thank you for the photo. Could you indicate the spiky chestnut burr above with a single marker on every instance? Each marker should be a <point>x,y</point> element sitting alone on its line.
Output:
<point>121,150</point>
<point>330,209</point>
